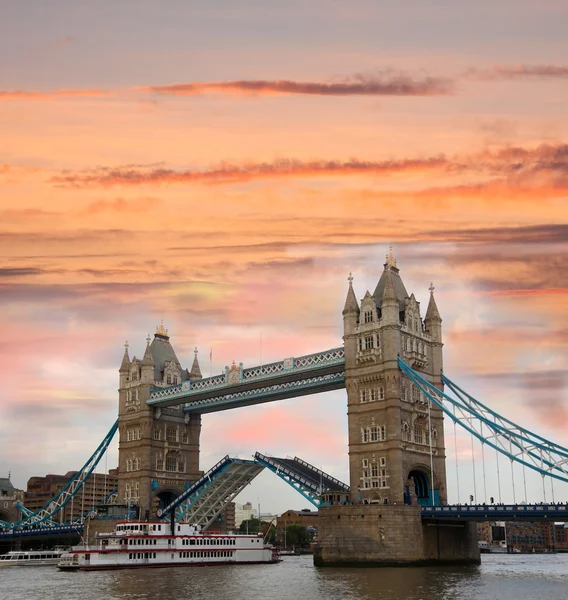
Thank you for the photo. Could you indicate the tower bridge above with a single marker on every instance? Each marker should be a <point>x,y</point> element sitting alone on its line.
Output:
<point>395,506</point>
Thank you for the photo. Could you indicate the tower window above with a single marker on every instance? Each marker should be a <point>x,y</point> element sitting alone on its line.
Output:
<point>363,395</point>
<point>171,434</point>
<point>364,435</point>
<point>381,393</point>
<point>368,316</point>
<point>418,433</point>
<point>374,434</point>
<point>373,395</point>
<point>157,435</point>
<point>171,463</point>
<point>369,342</point>
<point>416,394</point>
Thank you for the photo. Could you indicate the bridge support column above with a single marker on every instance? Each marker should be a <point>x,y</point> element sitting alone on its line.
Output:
<point>390,535</point>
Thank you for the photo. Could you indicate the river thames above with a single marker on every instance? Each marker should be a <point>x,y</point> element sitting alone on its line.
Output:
<point>500,577</point>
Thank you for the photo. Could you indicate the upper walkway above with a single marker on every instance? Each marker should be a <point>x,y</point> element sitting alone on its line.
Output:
<point>237,386</point>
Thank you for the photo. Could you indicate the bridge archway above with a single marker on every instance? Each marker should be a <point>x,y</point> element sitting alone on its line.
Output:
<point>422,487</point>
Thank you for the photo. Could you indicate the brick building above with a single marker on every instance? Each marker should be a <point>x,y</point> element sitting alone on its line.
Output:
<point>305,517</point>
<point>40,491</point>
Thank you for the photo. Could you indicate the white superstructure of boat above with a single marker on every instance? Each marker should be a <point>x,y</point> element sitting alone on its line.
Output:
<point>32,558</point>
<point>143,544</point>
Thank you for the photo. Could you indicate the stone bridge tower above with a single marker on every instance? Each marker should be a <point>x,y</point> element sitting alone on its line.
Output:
<point>394,438</point>
<point>158,448</point>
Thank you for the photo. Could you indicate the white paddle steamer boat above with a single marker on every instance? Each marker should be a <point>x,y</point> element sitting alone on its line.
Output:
<point>143,544</point>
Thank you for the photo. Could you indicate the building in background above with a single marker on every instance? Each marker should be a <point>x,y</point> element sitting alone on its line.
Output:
<point>225,522</point>
<point>305,518</point>
<point>515,536</point>
<point>41,490</point>
<point>9,496</point>
<point>244,512</point>
<point>561,535</point>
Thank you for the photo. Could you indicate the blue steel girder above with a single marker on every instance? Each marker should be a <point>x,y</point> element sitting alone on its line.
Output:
<point>305,479</point>
<point>203,501</point>
<point>514,443</point>
<point>45,514</point>
<point>497,512</point>
<point>291,377</point>
<point>268,393</point>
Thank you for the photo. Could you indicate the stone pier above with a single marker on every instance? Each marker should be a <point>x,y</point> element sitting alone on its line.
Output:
<point>373,535</point>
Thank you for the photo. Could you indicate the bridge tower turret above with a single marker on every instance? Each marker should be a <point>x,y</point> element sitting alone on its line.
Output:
<point>396,441</point>
<point>158,448</point>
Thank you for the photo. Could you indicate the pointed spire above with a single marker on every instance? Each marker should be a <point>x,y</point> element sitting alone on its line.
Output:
<point>195,372</point>
<point>389,294</point>
<point>351,305</point>
<point>432,310</point>
<point>148,359</point>
<point>125,365</point>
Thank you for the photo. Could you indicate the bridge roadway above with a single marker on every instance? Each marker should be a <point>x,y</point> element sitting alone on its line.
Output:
<point>496,512</point>
<point>481,513</point>
<point>237,386</point>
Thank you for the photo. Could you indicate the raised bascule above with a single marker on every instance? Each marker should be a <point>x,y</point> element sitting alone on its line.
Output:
<point>394,509</point>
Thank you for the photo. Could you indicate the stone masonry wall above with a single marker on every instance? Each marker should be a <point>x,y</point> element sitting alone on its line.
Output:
<point>369,533</point>
<point>390,534</point>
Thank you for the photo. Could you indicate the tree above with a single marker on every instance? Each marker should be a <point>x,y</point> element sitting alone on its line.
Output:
<point>297,536</point>
<point>250,526</point>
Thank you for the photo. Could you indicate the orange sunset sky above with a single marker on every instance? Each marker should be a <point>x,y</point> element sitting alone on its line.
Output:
<point>225,165</point>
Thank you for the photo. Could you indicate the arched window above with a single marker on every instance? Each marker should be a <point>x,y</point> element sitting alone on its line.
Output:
<point>406,432</point>
<point>175,379</point>
<point>169,379</point>
<point>381,393</point>
<point>159,463</point>
<point>171,433</point>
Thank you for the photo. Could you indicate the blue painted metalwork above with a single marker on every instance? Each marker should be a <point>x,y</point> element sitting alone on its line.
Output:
<point>497,512</point>
<point>525,434</point>
<point>203,501</point>
<point>46,513</point>
<point>39,530</point>
<point>277,391</point>
<point>238,379</point>
<point>541,454</point>
<point>303,477</point>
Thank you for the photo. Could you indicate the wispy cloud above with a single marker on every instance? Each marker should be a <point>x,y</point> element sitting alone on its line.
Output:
<point>359,85</point>
<point>512,163</point>
<point>509,72</point>
<point>55,94</point>
<point>385,83</point>
<point>231,173</point>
